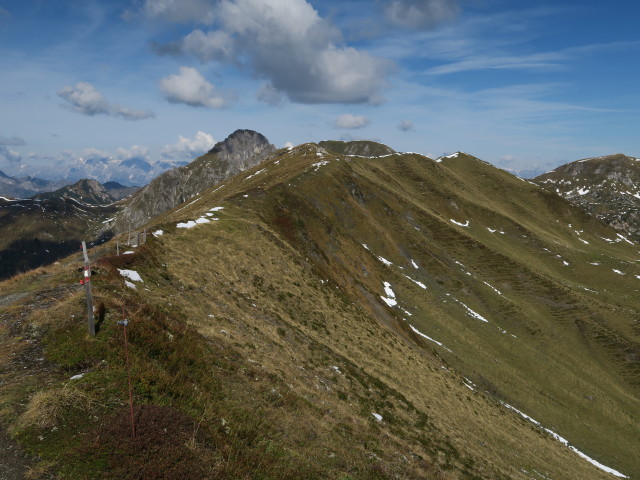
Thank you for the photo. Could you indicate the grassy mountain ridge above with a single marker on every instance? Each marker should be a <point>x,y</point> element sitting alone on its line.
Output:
<point>340,289</point>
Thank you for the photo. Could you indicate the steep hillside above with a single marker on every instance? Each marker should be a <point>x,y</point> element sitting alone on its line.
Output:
<point>91,192</point>
<point>35,232</point>
<point>607,187</point>
<point>241,150</point>
<point>328,316</point>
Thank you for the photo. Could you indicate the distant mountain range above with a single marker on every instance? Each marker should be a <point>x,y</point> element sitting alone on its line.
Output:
<point>24,187</point>
<point>128,172</point>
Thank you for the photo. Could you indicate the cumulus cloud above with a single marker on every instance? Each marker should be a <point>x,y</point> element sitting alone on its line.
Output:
<point>84,98</point>
<point>290,45</point>
<point>351,121</point>
<point>11,141</point>
<point>406,126</point>
<point>420,14</point>
<point>191,88</point>
<point>189,148</point>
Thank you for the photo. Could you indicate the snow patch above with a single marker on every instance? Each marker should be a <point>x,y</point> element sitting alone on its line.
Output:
<point>378,417</point>
<point>471,312</point>
<point>385,261</point>
<point>257,173</point>
<point>189,224</point>
<point>131,275</point>
<point>390,299</point>
<point>622,237</point>
<point>565,442</point>
<point>320,164</point>
<point>618,272</point>
<point>466,224</point>
<point>216,209</point>
<point>414,265</point>
<point>493,288</point>
<point>158,233</point>
<point>420,284</point>
<point>418,332</point>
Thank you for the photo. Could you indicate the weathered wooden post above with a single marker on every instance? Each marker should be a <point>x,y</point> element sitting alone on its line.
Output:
<point>87,289</point>
<point>118,246</point>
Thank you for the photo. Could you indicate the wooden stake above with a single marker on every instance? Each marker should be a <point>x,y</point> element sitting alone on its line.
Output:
<point>87,290</point>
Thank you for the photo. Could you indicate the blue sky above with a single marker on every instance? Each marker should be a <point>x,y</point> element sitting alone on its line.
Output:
<point>523,85</point>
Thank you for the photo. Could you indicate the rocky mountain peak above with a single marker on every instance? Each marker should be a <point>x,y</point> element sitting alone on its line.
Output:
<point>240,151</point>
<point>241,144</point>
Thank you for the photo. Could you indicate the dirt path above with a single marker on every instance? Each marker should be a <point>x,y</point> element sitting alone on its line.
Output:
<point>13,463</point>
<point>22,352</point>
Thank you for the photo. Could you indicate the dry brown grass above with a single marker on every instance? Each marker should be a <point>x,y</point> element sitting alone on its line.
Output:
<point>47,407</point>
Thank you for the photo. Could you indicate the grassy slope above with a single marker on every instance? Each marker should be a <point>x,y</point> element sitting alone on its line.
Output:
<point>285,300</point>
<point>33,233</point>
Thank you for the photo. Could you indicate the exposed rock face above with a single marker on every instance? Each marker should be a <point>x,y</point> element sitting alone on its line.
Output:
<point>241,150</point>
<point>607,187</point>
<point>360,148</point>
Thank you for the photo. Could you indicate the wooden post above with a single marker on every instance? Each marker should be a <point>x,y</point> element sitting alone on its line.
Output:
<point>129,241</point>
<point>118,246</point>
<point>87,290</point>
<point>138,241</point>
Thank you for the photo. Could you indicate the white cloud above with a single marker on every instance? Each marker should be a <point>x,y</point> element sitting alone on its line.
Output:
<point>420,14</point>
<point>84,98</point>
<point>191,88</point>
<point>189,148</point>
<point>406,126</point>
<point>290,45</point>
<point>351,121</point>
<point>135,151</point>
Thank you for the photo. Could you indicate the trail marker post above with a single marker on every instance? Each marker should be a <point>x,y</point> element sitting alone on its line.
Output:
<point>87,290</point>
